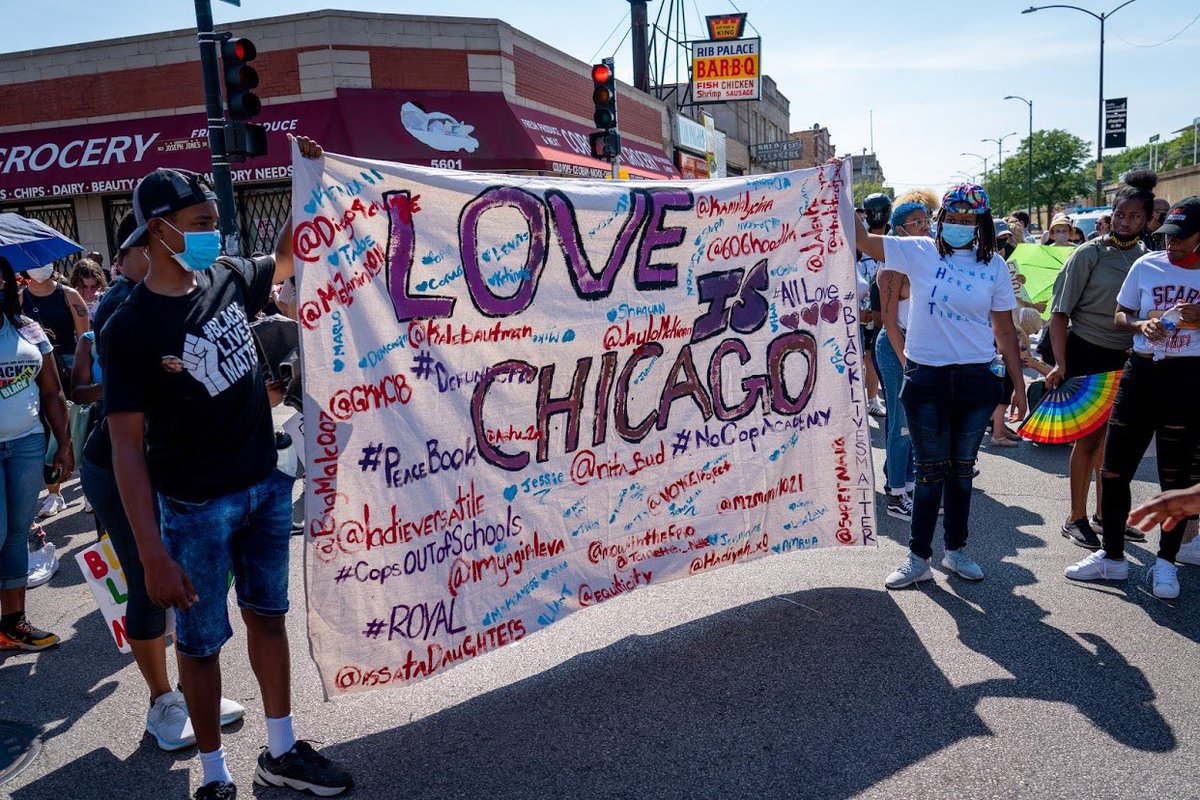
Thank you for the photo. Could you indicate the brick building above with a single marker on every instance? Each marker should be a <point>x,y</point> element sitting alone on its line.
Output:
<point>80,124</point>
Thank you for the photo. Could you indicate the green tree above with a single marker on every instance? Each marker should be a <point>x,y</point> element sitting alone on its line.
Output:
<point>1060,173</point>
<point>1170,154</point>
<point>861,190</point>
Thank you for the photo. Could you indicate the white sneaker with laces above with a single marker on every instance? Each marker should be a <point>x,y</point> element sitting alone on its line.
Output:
<point>1098,567</point>
<point>1164,579</point>
<point>169,723</point>
<point>43,563</point>
<point>52,505</point>
<point>1189,553</point>
<point>875,407</point>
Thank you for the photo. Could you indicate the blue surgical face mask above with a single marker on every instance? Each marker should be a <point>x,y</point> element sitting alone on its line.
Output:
<point>200,249</point>
<point>957,236</point>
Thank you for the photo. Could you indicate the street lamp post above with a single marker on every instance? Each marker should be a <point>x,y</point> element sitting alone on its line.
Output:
<point>1029,179</point>
<point>1100,111</point>
<point>984,159</point>
<point>999,165</point>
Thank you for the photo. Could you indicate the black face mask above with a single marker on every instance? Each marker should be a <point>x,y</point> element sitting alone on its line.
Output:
<point>1007,248</point>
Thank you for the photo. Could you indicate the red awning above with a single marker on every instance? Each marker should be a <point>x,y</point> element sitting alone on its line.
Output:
<point>480,131</point>
<point>107,157</point>
<point>457,130</point>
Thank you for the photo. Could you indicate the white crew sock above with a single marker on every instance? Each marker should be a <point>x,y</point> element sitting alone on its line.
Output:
<point>909,487</point>
<point>214,767</point>
<point>897,492</point>
<point>280,736</point>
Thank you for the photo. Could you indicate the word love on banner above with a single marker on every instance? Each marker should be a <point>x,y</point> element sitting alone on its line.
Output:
<point>528,396</point>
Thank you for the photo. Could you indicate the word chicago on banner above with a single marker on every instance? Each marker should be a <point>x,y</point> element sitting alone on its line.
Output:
<point>530,396</point>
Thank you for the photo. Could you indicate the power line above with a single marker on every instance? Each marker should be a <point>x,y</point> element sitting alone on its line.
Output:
<point>1170,38</point>
<point>748,22</point>
<point>616,28</point>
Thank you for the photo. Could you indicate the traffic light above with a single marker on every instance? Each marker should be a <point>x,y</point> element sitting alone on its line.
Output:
<point>605,145</point>
<point>240,78</point>
<point>604,95</point>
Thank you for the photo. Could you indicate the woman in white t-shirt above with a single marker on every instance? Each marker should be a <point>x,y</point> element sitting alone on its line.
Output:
<point>1159,303</point>
<point>960,313</point>
<point>28,386</point>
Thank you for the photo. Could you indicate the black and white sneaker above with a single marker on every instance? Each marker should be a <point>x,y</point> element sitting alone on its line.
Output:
<point>1081,533</point>
<point>900,506</point>
<point>216,790</point>
<point>302,768</point>
<point>1132,534</point>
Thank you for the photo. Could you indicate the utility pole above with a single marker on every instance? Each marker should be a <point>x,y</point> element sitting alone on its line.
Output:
<point>999,167</point>
<point>1029,178</point>
<point>640,23</point>
<point>1101,18</point>
<point>222,174</point>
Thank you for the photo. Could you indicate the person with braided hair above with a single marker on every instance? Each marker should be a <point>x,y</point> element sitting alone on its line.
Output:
<point>951,375</point>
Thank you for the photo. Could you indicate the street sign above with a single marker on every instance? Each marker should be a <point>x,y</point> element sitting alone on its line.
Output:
<point>1154,138</point>
<point>726,26</point>
<point>726,70</point>
<point>785,150</point>
<point>1115,115</point>
<point>237,3</point>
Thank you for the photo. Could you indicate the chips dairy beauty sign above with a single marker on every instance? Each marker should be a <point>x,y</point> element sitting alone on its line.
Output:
<point>726,70</point>
<point>528,396</point>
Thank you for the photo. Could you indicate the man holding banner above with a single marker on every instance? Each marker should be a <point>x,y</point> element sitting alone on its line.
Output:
<point>189,416</point>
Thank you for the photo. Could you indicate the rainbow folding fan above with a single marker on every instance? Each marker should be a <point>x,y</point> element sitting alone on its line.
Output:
<point>1076,408</point>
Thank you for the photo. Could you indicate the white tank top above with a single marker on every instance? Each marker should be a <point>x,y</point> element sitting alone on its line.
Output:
<point>902,310</point>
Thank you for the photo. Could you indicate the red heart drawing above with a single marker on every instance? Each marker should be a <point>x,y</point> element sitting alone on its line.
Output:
<point>810,315</point>
<point>830,311</point>
<point>791,320</point>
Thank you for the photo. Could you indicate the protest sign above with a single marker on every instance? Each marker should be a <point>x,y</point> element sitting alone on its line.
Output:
<point>104,576</point>
<point>527,396</point>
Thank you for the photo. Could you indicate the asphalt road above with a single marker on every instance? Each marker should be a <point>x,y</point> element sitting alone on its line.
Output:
<point>797,676</point>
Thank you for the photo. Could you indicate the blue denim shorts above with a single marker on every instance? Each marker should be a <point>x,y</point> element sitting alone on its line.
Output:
<point>247,533</point>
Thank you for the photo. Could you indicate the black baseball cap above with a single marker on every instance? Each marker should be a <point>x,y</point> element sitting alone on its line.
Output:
<point>1182,220</point>
<point>163,192</point>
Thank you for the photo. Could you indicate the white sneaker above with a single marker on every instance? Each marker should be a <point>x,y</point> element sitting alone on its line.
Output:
<point>912,571</point>
<point>1098,567</point>
<point>1164,579</point>
<point>53,504</point>
<point>231,711</point>
<point>169,723</point>
<point>1189,553</point>
<point>43,563</point>
<point>875,407</point>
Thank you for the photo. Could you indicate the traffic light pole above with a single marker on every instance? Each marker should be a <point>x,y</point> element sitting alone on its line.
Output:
<point>616,165</point>
<point>222,175</point>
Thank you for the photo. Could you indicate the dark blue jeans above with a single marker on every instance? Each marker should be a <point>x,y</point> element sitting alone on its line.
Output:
<point>948,410</point>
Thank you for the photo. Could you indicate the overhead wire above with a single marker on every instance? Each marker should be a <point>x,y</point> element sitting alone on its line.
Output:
<point>616,27</point>
<point>1170,38</point>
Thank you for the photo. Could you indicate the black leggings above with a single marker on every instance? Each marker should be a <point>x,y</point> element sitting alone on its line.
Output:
<point>1155,398</point>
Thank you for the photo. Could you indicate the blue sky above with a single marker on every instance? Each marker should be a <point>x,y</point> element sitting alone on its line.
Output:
<point>934,73</point>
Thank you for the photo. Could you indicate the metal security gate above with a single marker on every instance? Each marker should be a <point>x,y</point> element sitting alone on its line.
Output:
<point>115,207</point>
<point>61,217</point>
<point>262,212</point>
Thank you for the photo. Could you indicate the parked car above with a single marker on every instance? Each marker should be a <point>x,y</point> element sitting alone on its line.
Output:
<point>1085,219</point>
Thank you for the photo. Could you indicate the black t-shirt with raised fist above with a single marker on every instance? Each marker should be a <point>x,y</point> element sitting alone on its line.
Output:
<point>189,364</point>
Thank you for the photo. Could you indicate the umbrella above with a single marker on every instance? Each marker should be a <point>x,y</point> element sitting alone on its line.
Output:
<point>1077,407</point>
<point>28,243</point>
<point>1040,264</point>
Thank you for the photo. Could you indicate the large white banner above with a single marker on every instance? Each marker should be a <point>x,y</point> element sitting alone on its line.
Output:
<point>526,396</point>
